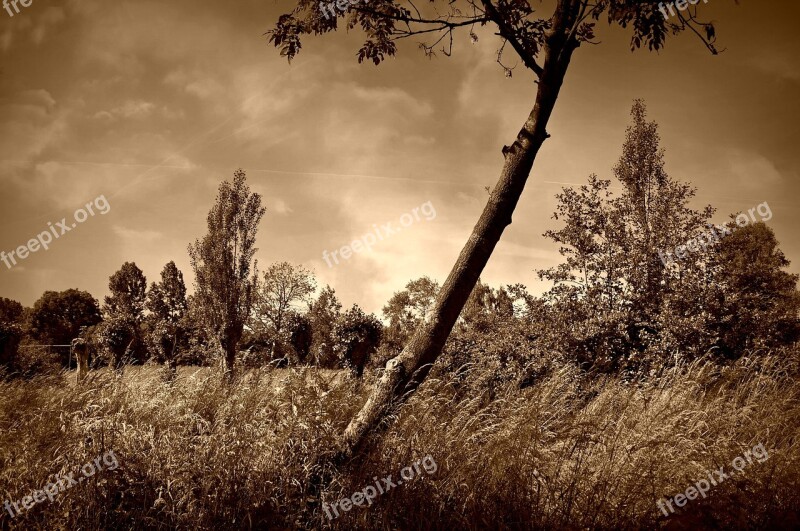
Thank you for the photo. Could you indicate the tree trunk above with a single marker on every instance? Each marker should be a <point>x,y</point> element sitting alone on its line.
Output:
<point>405,372</point>
<point>82,356</point>
<point>228,361</point>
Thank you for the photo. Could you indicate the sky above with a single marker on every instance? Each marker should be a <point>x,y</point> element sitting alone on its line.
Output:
<point>146,107</point>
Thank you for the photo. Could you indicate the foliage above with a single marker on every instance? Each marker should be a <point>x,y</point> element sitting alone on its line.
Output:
<point>57,317</point>
<point>519,23</point>
<point>759,305</point>
<point>407,309</point>
<point>10,311</point>
<point>128,293</point>
<point>284,286</point>
<point>166,300</point>
<point>618,297</point>
<point>357,337</point>
<point>492,343</point>
<point>10,336</point>
<point>323,313</point>
<point>118,335</point>
<point>300,336</point>
<point>167,304</point>
<point>196,347</point>
<point>222,263</point>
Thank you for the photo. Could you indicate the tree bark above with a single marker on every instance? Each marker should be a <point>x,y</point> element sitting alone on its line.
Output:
<point>228,360</point>
<point>405,372</point>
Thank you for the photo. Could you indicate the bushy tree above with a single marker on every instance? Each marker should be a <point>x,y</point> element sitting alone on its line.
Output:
<point>407,309</point>
<point>166,302</point>
<point>10,311</point>
<point>357,337</point>
<point>613,288</point>
<point>491,345</point>
<point>196,347</point>
<point>126,304</point>
<point>283,289</point>
<point>486,307</point>
<point>758,304</point>
<point>128,288</point>
<point>298,327</point>
<point>118,334</point>
<point>323,313</point>
<point>10,336</point>
<point>630,302</point>
<point>225,273</point>
<point>57,318</point>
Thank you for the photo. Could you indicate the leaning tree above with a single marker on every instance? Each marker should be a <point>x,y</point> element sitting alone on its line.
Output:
<point>544,35</point>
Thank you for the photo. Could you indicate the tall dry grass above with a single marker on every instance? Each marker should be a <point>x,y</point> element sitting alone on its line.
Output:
<point>570,452</point>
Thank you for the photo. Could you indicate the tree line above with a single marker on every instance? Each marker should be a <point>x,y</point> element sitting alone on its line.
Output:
<point>613,306</point>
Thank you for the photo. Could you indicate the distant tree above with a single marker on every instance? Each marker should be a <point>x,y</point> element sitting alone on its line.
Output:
<point>298,328</point>
<point>223,262</point>
<point>128,288</point>
<point>118,334</point>
<point>166,302</point>
<point>357,338</point>
<point>284,286</point>
<point>166,299</point>
<point>196,347</point>
<point>486,307</point>
<point>10,336</point>
<point>323,314</point>
<point>492,345</point>
<point>759,305</point>
<point>126,304</point>
<point>406,309</point>
<point>11,311</point>
<point>12,315</point>
<point>57,317</point>
<point>613,288</point>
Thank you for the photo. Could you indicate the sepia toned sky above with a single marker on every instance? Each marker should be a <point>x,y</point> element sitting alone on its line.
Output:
<point>153,104</point>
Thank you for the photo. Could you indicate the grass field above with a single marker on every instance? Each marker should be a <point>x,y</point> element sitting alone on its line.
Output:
<point>569,452</point>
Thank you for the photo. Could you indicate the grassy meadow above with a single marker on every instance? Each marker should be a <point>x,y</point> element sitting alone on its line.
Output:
<point>570,451</point>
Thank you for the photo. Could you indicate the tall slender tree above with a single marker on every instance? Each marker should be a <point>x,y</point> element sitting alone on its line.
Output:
<point>545,46</point>
<point>226,275</point>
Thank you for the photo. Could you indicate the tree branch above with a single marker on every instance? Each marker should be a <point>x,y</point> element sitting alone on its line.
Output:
<point>507,32</point>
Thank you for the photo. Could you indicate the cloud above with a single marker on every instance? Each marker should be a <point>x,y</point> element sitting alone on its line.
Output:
<point>129,109</point>
<point>44,23</point>
<point>134,237</point>
<point>778,65</point>
<point>30,122</point>
<point>279,207</point>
